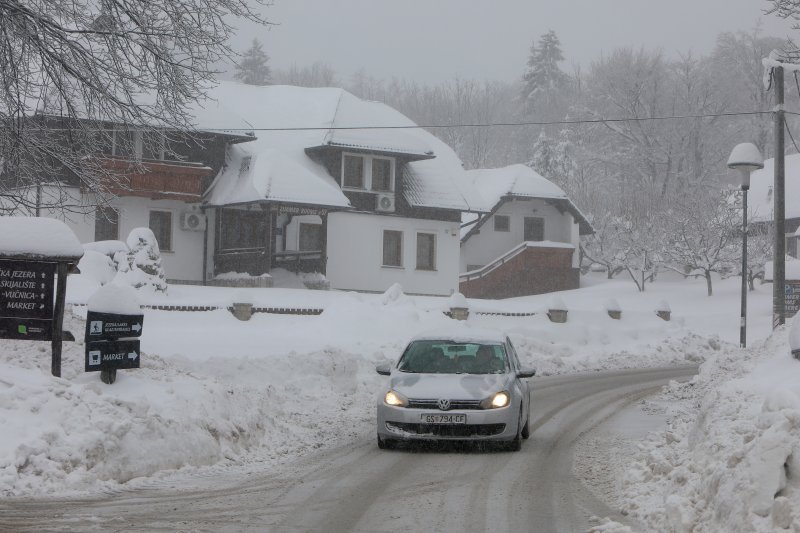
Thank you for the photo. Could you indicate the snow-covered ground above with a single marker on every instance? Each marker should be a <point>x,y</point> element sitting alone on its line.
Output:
<point>216,390</point>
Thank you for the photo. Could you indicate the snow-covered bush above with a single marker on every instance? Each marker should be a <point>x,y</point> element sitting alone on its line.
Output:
<point>97,267</point>
<point>142,266</point>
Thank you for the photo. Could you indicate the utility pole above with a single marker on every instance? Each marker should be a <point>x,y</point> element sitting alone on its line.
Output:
<point>779,261</point>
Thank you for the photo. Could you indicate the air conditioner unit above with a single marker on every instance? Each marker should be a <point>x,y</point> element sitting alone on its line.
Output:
<point>191,221</point>
<point>385,203</point>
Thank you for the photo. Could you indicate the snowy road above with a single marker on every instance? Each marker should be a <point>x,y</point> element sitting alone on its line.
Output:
<point>359,488</point>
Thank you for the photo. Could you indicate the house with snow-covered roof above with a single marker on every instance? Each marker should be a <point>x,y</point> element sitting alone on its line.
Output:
<point>526,241</point>
<point>309,180</point>
<point>156,177</point>
<point>761,199</point>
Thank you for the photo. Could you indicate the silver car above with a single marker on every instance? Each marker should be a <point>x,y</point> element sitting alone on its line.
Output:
<point>456,384</point>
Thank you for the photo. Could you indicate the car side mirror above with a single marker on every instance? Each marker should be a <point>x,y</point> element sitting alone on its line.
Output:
<point>383,370</point>
<point>526,373</point>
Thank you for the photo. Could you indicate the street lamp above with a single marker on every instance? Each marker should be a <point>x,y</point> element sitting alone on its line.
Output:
<point>745,158</point>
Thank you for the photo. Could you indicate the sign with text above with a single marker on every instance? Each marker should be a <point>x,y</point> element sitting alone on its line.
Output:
<point>106,355</point>
<point>112,326</point>
<point>792,295</point>
<point>26,299</point>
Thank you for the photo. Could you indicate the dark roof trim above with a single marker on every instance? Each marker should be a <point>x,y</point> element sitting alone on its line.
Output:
<point>381,151</point>
<point>260,203</point>
<point>482,220</point>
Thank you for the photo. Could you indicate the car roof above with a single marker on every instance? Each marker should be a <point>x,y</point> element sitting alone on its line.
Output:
<point>463,333</point>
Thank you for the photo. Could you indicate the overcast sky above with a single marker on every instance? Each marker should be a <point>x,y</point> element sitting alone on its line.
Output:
<point>434,40</point>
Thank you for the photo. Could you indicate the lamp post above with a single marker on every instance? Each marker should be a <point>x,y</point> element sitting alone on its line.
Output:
<point>745,158</point>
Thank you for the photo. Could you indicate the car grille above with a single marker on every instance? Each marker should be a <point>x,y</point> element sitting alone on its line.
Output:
<point>448,430</point>
<point>434,404</point>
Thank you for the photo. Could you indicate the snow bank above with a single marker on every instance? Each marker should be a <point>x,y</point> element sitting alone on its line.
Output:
<point>76,434</point>
<point>729,459</point>
<point>113,298</point>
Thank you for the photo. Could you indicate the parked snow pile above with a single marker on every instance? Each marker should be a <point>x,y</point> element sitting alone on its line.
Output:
<point>730,461</point>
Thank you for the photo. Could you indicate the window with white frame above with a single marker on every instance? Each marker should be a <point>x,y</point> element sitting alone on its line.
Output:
<point>392,248</point>
<point>368,172</point>
<point>426,251</point>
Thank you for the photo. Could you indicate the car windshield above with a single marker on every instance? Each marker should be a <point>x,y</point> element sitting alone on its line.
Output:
<point>447,357</point>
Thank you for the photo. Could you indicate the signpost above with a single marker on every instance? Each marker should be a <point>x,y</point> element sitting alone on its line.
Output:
<point>112,326</point>
<point>112,355</point>
<point>792,297</point>
<point>26,299</point>
<point>111,343</point>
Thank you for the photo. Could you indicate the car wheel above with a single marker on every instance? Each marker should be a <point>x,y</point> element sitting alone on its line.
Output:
<point>386,444</point>
<point>526,429</point>
<point>515,444</point>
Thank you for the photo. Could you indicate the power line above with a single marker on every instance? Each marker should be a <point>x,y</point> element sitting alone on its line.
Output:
<point>481,124</point>
<point>507,124</point>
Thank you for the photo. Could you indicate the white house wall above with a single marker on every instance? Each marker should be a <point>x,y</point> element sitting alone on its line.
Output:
<point>355,254</point>
<point>488,244</point>
<point>185,260</point>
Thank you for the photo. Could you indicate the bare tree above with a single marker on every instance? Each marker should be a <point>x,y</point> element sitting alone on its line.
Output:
<point>703,237</point>
<point>70,66</point>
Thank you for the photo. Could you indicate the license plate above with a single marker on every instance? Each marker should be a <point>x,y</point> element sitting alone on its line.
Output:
<point>444,419</point>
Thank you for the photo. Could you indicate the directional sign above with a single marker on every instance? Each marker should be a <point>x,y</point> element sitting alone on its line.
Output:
<point>26,299</point>
<point>104,355</point>
<point>112,326</point>
<point>792,298</point>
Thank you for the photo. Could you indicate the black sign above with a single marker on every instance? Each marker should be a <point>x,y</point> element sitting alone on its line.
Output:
<point>112,326</point>
<point>26,299</point>
<point>792,302</point>
<point>105,355</point>
<point>30,329</point>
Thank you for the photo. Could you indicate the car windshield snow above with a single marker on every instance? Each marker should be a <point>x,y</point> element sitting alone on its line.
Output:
<point>446,357</point>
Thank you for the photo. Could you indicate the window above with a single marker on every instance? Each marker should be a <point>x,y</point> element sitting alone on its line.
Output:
<point>534,229</point>
<point>241,229</point>
<point>310,237</point>
<point>371,173</point>
<point>381,174</point>
<point>791,245</point>
<point>353,172</point>
<point>502,223</point>
<point>152,145</point>
<point>426,251</point>
<point>392,248</point>
<point>124,143</point>
<point>106,224</point>
<point>161,225</point>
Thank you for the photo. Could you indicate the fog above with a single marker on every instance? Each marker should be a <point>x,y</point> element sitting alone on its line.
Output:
<point>431,41</point>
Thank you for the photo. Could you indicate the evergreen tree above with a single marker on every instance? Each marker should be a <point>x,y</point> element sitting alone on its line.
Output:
<point>253,69</point>
<point>551,158</point>
<point>142,269</point>
<point>544,80</point>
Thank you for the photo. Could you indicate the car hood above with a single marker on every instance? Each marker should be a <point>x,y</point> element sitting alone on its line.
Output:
<point>451,386</point>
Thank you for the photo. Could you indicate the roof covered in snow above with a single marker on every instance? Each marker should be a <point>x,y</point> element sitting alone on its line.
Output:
<point>760,199</point>
<point>38,238</point>
<point>290,120</point>
<point>498,185</point>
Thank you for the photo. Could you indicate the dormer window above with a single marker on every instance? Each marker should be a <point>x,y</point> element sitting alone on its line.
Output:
<point>368,172</point>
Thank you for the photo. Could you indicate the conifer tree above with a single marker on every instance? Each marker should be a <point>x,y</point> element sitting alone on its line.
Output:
<point>253,68</point>
<point>544,80</point>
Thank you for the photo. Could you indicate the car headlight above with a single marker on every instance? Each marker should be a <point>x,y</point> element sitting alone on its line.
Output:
<point>395,399</point>
<point>496,401</point>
